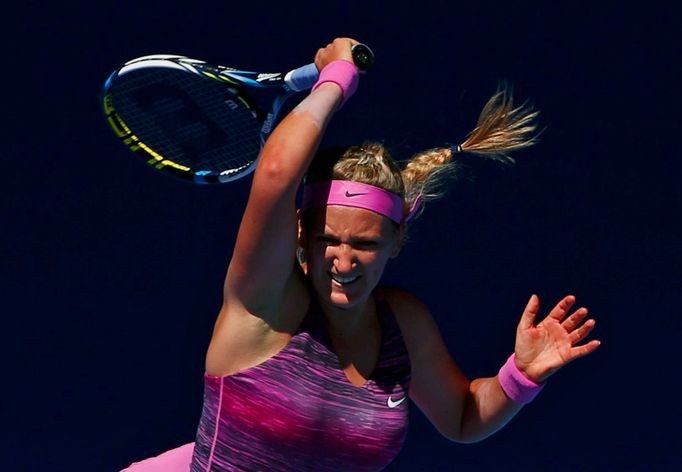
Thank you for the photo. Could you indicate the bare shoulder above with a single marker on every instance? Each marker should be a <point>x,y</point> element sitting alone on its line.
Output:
<point>416,322</point>
<point>404,304</point>
<point>400,300</point>
<point>243,339</point>
<point>438,386</point>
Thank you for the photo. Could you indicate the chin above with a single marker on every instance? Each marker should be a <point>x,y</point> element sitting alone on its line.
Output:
<point>342,297</point>
<point>345,299</point>
<point>340,300</point>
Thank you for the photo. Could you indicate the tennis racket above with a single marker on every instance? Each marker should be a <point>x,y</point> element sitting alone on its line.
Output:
<point>201,122</point>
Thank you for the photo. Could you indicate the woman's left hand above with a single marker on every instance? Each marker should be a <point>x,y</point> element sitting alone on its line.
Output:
<point>543,348</point>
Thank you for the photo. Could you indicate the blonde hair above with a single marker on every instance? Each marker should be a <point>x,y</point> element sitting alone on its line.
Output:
<point>501,128</point>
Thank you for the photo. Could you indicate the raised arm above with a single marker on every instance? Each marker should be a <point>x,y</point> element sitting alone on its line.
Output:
<point>262,262</point>
<point>262,282</point>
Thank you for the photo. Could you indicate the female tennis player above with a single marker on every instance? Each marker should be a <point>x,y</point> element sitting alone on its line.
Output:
<point>311,363</point>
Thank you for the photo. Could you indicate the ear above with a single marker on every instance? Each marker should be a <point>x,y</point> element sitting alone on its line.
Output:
<point>302,240</point>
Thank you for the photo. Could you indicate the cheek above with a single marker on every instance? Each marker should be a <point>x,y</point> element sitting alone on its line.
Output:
<point>375,263</point>
<point>318,257</point>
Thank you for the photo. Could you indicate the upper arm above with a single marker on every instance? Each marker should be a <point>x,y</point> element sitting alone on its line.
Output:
<point>261,282</point>
<point>262,263</point>
<point>438,386</point>
<point>264,254</point>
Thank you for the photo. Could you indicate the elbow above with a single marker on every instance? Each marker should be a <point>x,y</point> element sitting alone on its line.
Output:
<point>467,427</point>
<point>452,431</point>
<point>461,436</point>
<point>275,168</point>
<point>273,176</point>
<point>271,171</point>
<point>462,439</point>
<point>273,160</point>
<point>456,434</point>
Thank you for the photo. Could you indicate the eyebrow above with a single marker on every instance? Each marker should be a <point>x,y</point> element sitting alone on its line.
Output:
<point>353,240</point>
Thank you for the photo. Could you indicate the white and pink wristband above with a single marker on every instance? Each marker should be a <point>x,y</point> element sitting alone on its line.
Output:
<point>343,73</point>
<point>516,385</point>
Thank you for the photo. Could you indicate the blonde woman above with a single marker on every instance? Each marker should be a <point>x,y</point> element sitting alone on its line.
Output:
<point>311,362</point>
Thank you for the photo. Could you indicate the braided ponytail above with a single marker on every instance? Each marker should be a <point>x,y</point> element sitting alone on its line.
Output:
<point>501,128</point>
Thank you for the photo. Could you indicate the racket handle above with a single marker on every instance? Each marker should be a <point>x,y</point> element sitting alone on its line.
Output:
<point>305,77</point>
<point>302,78</point>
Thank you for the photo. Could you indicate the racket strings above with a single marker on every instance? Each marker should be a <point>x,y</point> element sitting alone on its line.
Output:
<point>188,120</point>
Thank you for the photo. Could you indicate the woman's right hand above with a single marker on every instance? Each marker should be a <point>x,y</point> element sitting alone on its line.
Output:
<point>339,49</point>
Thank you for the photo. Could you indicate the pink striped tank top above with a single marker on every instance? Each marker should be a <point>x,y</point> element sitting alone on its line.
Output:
<point>297,411</point>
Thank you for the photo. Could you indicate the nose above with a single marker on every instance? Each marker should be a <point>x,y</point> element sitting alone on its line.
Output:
<point>344,259</point>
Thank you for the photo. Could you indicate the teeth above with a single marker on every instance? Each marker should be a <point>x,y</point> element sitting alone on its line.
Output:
<point>343,280</point>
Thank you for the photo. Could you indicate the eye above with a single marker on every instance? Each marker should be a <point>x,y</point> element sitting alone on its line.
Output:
<point>327,240</point>
<point>369,244</point>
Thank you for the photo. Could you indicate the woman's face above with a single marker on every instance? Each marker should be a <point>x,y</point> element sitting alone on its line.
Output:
<point>347,250</point>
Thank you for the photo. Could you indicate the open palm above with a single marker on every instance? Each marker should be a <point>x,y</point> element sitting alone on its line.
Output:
<point>543,348</point>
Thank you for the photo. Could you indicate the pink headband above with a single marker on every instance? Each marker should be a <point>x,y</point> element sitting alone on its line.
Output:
<point>358,195</point>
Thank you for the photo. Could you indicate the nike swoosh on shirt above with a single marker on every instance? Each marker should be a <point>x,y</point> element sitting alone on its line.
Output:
<point>393,404</point>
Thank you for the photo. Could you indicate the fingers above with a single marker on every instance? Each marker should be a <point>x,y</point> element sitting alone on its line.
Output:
<point>581,333</point>
<point>530,312</point>
<point>573,321</point>
<point>559,311</point>
<point>585,349</point>
<point>572,325</point>
<point>340,48</point>
<point>578,333</point>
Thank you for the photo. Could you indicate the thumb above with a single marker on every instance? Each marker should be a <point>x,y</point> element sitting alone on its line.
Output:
<point>530,312</point>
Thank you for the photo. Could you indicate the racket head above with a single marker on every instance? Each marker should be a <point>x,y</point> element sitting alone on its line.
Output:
<point>188,118</point>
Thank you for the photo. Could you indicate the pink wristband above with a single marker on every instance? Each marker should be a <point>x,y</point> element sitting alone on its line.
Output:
<point>515,384</point>
<point>344,74</point>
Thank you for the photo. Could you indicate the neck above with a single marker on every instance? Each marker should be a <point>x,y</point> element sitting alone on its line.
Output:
<point>348,322</point>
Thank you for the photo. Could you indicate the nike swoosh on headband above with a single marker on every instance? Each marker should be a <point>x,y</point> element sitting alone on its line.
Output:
<point>369,197</point>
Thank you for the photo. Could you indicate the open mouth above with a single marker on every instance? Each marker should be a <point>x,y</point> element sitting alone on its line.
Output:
<point>343,280</point>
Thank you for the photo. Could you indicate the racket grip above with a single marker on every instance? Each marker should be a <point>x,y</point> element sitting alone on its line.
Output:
<point>305,77</point>
<point>302,78</point>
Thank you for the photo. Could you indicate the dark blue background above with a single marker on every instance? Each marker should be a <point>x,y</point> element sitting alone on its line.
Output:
<point>112,273</point>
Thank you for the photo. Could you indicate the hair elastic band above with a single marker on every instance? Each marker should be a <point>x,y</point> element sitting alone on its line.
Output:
<point>355,194</point>
<point>344,74</point>
<point>415,210</point>
<point>515,384</point>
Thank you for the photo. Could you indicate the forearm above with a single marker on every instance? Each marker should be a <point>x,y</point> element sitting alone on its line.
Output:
<point>292,145</point>
<point>487,409</point>
<point>267,233</point>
